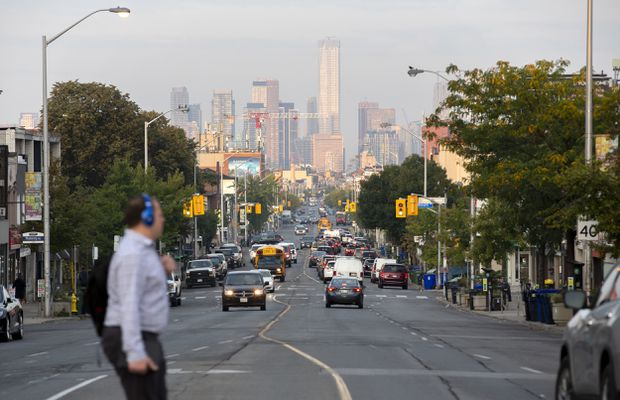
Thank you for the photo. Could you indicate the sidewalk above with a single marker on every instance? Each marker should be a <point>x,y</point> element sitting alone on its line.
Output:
<point>515,313</point>
<point>33,314</point>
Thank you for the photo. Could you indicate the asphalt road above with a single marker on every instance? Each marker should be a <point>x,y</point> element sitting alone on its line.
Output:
<point>403,344</point>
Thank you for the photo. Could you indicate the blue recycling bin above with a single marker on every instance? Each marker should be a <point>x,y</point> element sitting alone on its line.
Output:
<point>541,307</point>
<point>430,281</point>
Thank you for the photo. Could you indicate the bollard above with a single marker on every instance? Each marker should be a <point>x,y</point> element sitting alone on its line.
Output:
<point>73,304</point>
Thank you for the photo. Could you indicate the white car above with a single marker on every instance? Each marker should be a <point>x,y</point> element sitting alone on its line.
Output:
<point>378,266</point>
<point>268,280</point>
<point>301,230</point>
<point>328,271</point>
<point>253,250</point>
<point>174,289</point>
<point>349,267</point>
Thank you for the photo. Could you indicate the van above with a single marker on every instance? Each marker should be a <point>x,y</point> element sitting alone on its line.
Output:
<point>377,266</point>
<point>349,267</point>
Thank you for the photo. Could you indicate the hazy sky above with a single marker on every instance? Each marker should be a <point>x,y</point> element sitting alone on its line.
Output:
<point>211,44</point>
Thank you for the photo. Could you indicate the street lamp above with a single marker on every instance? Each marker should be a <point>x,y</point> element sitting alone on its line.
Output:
<point>182,108</point>
<point>417,71</point>
<point>124,13</point>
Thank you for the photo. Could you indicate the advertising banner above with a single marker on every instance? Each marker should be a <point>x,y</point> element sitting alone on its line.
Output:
<point>33,200</point>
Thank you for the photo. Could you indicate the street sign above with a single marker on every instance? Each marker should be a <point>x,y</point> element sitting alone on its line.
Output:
<point>424,203</point>
<point>485,284</point>
<point>117,241</point>
<point>32,238</point>
<point>588,230</point>
<point>571,283</point>
<point>438,200</point>
<point>40,288</point>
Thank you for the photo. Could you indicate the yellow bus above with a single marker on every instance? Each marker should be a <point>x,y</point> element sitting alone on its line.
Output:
<point>324,223</point>
<point>273,259</point>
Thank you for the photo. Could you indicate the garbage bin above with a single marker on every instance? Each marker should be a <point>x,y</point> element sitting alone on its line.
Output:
<point>454,289</point>
<point>496,303</point>
<point>430,281</point>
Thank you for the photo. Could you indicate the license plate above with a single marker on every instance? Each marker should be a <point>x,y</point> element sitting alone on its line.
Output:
<point>352,273</point>
<point>198,280</point>
<point>345,291</point>
<point>243,299</point>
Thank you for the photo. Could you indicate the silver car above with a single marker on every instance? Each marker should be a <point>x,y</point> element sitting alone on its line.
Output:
<point>267,280</point>
<point>589,359</point>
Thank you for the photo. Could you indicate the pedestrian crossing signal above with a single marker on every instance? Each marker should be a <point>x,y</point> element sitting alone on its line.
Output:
<point>401,208</point>
<point>258,209</point>
<point>248,209</point>
<point>412,205</point>
<point>198,204</point>
<point>352,207</point>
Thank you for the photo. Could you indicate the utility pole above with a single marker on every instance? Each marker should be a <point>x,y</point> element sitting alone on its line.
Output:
<point>588,145</point>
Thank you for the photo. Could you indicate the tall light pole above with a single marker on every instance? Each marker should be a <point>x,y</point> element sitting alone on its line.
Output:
<point>122,12</point>
<point>588,144</point>
<point>182,108</point>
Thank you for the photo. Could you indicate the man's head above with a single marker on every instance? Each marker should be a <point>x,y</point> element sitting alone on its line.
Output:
<point>144,215</point>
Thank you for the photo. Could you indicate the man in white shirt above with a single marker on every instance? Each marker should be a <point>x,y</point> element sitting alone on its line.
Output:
<point>138,304</point>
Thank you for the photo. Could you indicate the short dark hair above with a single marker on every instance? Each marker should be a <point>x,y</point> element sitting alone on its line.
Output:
<point>133,211</point>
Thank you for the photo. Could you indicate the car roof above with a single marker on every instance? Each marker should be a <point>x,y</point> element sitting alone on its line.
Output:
<point>243,272</point>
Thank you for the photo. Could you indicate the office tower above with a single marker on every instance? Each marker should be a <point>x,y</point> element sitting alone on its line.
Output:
<point>267,92</point>
<point>304,150</point>
<point>223,117</point>
<point>410,144</point>
<point>288,134</point>
<point>179,97</point>
<point>194,114</point>
<point>29,120</point>
<point>440,92</point>
<point>362,122</point>
<point>329,86</point>
<point>312,124</point>
<point>327,152</point>
<point>383,144</point>
<point>253,121</point>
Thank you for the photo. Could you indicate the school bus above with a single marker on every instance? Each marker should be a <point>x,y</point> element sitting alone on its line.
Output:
<point>273,259</point>
<point>324,223</point>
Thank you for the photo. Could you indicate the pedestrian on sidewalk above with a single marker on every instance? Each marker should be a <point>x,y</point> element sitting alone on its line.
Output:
<point>137,310</point>
<point>19,285</point>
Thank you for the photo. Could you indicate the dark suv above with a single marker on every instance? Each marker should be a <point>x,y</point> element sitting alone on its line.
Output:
<point>394,275</point>
<point>244,289</point>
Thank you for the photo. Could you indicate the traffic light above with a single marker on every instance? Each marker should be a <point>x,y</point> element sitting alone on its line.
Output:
<point>248,209</point>
<point>258,209</point>
<point>412,204</point>
<point>281,208</point>
<point>289,204</point>
<point>187,210</point>
<point>198,204</point>
<point>353,207</point>
<point>339,203</point>
<point>348,204</point>
<point>401,208</point>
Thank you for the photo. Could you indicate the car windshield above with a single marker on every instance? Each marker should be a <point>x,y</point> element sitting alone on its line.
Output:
<point>342,283</point>
<point>265,274</point>
<point>394,268</point>
<point>215,260</point>
<point>308,238</point>
<point>228,251</point>
<point>318,254</point>
<point>269,261</point>
<point>256,247</point>
<point>250,278</point>
<point>200,264</point>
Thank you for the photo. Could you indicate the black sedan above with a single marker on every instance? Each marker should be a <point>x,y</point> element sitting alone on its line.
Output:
<point>11,317</point>
<point>306,242</point>
<point>244,289</point>
<point>315,257</point>
<point>344,291</point>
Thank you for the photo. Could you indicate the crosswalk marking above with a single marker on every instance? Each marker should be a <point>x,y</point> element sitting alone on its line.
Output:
<point>422,297</point>
<point>381,295</point>
<point>401,296</point>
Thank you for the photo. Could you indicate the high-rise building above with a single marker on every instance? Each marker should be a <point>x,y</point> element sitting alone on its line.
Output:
<point>223,117</point>
<point>251,125</point>
<point>372,118</point>
<point>194,114</point>
<point>29,120</point>
<point>440,92</point>
<point>304,150</point>
<point>362,122</point>
<point>312,124</point>
<point>267,92</point>
<point>327,152</point>
<point>179,98</point>
<point>329,86</point>
<point>410,144</point>
<point>288,133</point>
<point>383,144</point>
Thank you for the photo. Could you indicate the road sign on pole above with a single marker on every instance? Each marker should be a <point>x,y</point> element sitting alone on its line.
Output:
<point>588,230</point>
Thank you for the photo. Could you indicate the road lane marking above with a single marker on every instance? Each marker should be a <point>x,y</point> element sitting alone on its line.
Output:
<point>37,354</point>
<point>381,295</point>
<point>183,298</point>
<point>439,345</point>
<point>225,341</point>
<point>247,337</point>
<point>535,371</point>
<point>76,387</point>
<point>175,320</point>
<point>200,348</point>
<point>180,371</point>
<point>91,344</point>
<point>414,334</point>
<point>403,328</point>
<point>482,356</point>
<point>343,390</point>
<point>422,297</point>
<point>401,296</point>
<point>500,338</point>
<point>172,355</point>
<point>423,338</point>
<point>443,373</point>
<point>200,297</point>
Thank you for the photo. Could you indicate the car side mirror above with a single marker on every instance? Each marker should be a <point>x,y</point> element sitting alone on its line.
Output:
<point>265,283</point>
<point>9,300</point>
<point>177,278</point>
<point>575,299</point>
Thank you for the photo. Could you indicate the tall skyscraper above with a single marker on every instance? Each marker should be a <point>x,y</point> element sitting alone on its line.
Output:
<point>287,135</point>
<point>194,116</point>
<point>372,118</point>
<point>303,150</point>
<point>29,120</point>
<point>223,116</point>
<point>312,124</point>
<point>327,152</point>
<point>362,122</point>
<point>251,124</point>
<point>383,144</point>
<point>329,86</point>
<point>267,92</point>
<point>179,97</point>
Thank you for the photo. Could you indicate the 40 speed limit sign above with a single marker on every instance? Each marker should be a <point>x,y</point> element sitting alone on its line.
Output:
<point>588,230</point>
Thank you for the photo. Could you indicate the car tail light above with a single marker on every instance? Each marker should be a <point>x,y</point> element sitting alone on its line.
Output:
<point>357,290</point>
<point>382,274</point>
<point>331,289</point>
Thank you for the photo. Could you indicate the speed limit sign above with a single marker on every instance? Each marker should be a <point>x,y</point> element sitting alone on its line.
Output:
<point>587,230</point>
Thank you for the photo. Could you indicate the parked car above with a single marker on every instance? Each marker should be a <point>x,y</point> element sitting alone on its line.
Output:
<point>344,291</point>
<point>268,280</point>
<point>590,353</point>
<point>244,289</point>
<point>200,272</point>
<point>394,275</point>
<point>376,267</point>
<point>174,289</point>
<point>11,317</point>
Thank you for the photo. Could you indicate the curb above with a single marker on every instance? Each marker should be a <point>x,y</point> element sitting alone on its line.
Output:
<point>537,326</point>
<point>43,320</point>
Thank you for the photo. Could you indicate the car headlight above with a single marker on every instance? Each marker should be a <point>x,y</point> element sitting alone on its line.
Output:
<point>259,292</point>
<point>279,270</point>
<point>229,293</point>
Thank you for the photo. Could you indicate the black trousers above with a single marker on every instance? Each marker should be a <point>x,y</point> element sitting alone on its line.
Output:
<point>152,385</point>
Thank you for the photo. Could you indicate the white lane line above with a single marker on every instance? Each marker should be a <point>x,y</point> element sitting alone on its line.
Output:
<point>37,354</point>
<point>225,341</point>
<point>401,296</point>
<point>76,387</point>
<point>170,362</point>
<point>422,297</point>
<point>200,297</point>
<point>91,344</point>
<point>218,297</point>
<point>414,334</point>
<point>423,338</point>
<point>172,355</point>
<point>247,337</point>
<point>535,371</point>
<point>381,295</point>
<point>439,345</point>
<point>300,294</point>
<point>482,356</point>
<point>404,328</point>
<point>175,320</point>
<point>200,348</point>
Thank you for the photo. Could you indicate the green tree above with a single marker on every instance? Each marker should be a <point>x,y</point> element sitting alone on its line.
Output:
<point>331,198</point>
<point>261,191</point>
